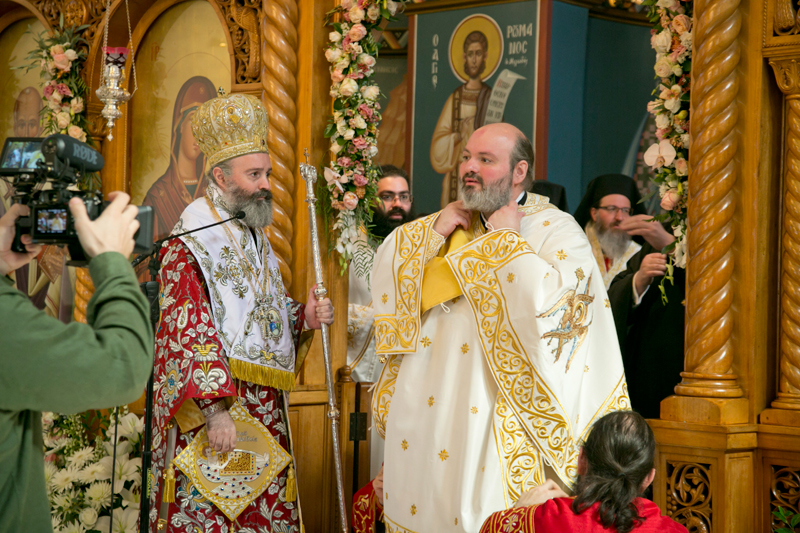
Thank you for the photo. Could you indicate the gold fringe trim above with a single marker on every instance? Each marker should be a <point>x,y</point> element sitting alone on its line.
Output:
<point>291,485</point>
<point>261,375</point>
<point>169,485</point>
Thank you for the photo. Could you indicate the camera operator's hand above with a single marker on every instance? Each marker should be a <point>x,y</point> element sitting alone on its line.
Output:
<point>10,261</point>
<point>112,231</point>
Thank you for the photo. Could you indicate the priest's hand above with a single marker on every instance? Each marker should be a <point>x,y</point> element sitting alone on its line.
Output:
<point>453,215</point>
<point>541,494</point>
<point>653,265</point>
<point>10,261</point>
<point>221,431</point>
<point>652,230</point>
<point>112,231</point>
<point>377,486</point>
<point>507,217</point>
<point>318,312</point>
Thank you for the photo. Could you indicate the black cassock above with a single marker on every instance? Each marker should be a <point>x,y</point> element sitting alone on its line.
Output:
<point>650,335</point>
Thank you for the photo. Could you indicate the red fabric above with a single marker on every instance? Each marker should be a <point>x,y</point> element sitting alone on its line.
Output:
<point>608,261</point>
<point>557,516</point>
<point>185,332</point>
<point>366,510</point>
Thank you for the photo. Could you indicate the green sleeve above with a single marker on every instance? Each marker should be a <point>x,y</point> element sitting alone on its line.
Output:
<point>69,368</point>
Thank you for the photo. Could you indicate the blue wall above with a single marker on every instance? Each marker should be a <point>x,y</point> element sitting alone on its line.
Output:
<point>601,78</point>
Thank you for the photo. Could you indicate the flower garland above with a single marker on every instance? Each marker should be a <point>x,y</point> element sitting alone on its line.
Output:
<point>671,38</point>
<point>78,472</point>
<point>349,191</point>
<point>60,57</point>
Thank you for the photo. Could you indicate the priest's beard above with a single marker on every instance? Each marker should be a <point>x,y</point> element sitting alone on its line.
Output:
<point>612,241</point>
<point>383,225</point>
<point>488,199</point>
<point>257,206</point>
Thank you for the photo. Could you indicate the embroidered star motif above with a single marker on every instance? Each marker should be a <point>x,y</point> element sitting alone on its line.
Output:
<point>385,298</point>
<point>608,304</point>
<point>547,275</point>
<point>577,418</point>
<point>465,348</point>
<point>510,277</point>
<point>413,510</point>
<point>443,455</point>
<point>474,410</point>
<point>561,255</point>
<point>456,521</point>
<point>425,341</point>
<point>580,275</point>
<point>483,469</point>
<point>431,401</point>
<point>586,368</point>
<point>404,444</point>
<point>546,223</point>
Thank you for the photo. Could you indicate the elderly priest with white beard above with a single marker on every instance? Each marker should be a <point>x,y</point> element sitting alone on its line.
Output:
<point>500,345</point>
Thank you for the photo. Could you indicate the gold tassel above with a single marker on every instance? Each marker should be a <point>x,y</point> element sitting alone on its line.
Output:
<point>291,485</point>
<point>261,375</point>
<point>169,485</point>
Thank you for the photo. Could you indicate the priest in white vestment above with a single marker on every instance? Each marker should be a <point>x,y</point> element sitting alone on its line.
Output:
<point>500,344</point>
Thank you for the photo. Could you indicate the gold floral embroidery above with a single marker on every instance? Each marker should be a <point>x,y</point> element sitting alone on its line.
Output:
<point>527,394</point>
<point>413,510</point>
<point>586,368</point>
<point>535,203</point>
<point>572,327</point>
<point>404,444</point>
<point>425,341</point>
<point>384,297</point>
<point>579,274</point>
<point>519,458</point>
<point>546,223</point>
<point>431,401</point>
<point>608,304</point>
<point>435,242</point>
<point>510,277</point>
<point>464,348</point>
<point>474,410</point>
<point>561,255</point>
<point>383,398</point>
<point>443,455</point>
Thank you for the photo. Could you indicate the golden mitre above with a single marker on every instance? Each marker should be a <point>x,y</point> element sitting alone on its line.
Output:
<point>230,126</point>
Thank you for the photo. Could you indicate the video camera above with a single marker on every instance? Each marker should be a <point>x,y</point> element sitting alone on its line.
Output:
<point>60,161</point>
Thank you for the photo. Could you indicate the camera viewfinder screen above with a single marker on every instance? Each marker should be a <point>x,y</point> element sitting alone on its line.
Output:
<point>21,154</point>
<point>51,221</point>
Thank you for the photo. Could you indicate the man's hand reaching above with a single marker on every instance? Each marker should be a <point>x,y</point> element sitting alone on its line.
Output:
<point>10,261</point>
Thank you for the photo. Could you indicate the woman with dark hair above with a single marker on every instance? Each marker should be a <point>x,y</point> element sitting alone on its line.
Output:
<point>615,467</point>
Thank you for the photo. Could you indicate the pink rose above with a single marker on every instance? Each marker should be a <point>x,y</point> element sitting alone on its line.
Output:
<point>337,76</point>
<point>661,133</point>
<point>48,90</point>
<point>357,32</point>
<point>360,143</point>
<point>62,62</point>
<point>359,180</point>
<point>681,24</point>
<point>366,60</point>
<point>347,4</point>
<point>76,132</point>
<point>681,167</point>
<point>344,162</point>
<point>76,105</point>
<point>63,89</point>
<point>670,200</point>
<point>350,200</point>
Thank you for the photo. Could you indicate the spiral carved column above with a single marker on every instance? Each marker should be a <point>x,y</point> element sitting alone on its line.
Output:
<point>709,351</point>
<point>84,288</point>
<point>787,74</point>
<point>279,93</point>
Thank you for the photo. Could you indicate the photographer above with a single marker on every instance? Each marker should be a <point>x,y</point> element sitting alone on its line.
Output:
<point>50,366</point>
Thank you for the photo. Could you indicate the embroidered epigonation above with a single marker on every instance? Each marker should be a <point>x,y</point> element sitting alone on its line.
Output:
<point>443,455</point>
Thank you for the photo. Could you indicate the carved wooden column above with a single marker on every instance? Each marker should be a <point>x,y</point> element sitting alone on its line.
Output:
<point>786,408</point>
<point>279,83</point>
<point>708,380</point>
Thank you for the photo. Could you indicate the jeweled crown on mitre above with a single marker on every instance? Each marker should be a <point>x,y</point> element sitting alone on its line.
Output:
<point>230,126</point>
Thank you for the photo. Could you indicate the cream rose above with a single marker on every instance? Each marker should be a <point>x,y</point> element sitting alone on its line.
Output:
<point>62,119</point>
<point>350,200</point>
<point>56,49</point>
<point>76,105</point>
<point>335,36</point>
<point>349,134</point>
<point>663,67</point>
<point>359,123</point>
<point>356,14</point>
<point>392,6</point>
<point>662,41</point>
<point>342,63</point>
<point>681,167</point>
<point>333,54</point>
<point>681,24</point>
<point>62,62</point>
<point>373,12</point>
<point>677,70</point>
<point>72,55</point>
<point>347,4</point>
<point>370,92</point>
<point>76,132</point>
<point>366,60</point>
<point>337,76</point>
<point>663,120</point>
<point>88,518</point>
<point>336,147</point>
<point>348,88</point>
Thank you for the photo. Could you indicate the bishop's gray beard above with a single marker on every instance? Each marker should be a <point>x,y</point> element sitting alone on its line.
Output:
<point>490,198</point>
<point>258,213</point>
<point>614,243</point>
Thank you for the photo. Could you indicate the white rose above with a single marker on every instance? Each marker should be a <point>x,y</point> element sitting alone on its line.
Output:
<point>370,92</point>
<point>335,36</point>
<point>686,140</point>
<point>341,127</point>
<point>373,12</point>
<point>333,55</point>
<point>88,517</point>
<point>359,123</point>
<point>348,87</point>
<point>373,151</point>
<point>663,121</point>
<point>662,41</point>
<point>672,104</point>
<point>663,67</point>
<point>72,55</point>
<point>62,119</point>
<point>356,14</point>
<point>349,134</point>
<point>366,60</point>
<point>686,40</point>
<point>392,6</point>
<point>677,70</point>
<point>342,63</point>
<point>336,147</point>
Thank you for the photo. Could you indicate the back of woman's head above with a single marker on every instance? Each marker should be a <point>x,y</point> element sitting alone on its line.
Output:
<point>618,455</point>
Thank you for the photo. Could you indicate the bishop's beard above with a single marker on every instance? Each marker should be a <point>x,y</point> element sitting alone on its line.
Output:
<point>257,206</point>
<point>613,242</point>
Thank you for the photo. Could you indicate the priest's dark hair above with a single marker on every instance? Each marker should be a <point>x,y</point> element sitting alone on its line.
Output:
<point>618,456</point>
<point>523,151</point>
<point>391,171</point>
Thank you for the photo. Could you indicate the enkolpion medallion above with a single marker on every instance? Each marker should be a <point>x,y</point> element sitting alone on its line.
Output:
<point>233,480</point>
